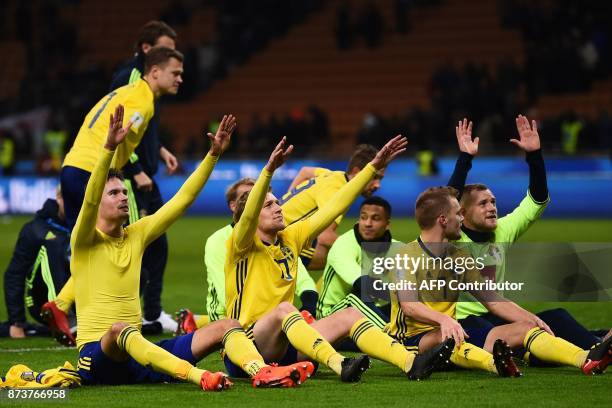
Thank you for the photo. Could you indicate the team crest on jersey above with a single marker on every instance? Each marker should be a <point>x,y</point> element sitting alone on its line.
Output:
<point>285,263</point>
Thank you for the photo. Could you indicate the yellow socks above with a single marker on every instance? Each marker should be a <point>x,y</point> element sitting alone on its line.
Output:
<point>65,299</point>
<point>470,356</point>
<point>372,341</point>
<point>310,342</point>
<point>553,349</point>
<point>201,321</point>
<point>242,352</point>
<point>148,354</point>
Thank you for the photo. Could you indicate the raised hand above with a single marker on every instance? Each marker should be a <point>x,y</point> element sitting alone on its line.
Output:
<point>221,140</point>
<point>389,152</point>
<point>279,155</point>
<point>463,130</point>
<point>117,133</point>
<point>529,139</point>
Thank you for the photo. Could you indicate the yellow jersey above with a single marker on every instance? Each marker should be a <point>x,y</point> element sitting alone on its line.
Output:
<point>138,100</point>
<point>310,195</point>
<point>439,297</point>
<point>105,269</point>
<point>258,275</point>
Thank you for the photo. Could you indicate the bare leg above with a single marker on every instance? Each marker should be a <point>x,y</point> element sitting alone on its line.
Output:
<point>108,343</point>
<point>512,333</point>
<point>208,338</point>
<point>271,341</point>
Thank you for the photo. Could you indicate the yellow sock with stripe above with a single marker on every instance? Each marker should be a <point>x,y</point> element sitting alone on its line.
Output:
<point>473,357</point>
<point>146,353</point>
<point>65,299</point>
<point>372,341</point>
<point>242,352</point>
<point>553,349</point>
<point>201,321</point>
<point>308,341</point>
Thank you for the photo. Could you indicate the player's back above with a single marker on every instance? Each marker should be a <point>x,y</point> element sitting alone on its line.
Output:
<point>138,101</point>
<point>310,195</point>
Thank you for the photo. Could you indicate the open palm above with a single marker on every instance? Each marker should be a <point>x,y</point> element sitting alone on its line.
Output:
<point>529,138</point>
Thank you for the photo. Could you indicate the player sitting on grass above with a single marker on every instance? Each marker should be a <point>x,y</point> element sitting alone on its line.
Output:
<point>313,187</point>
<point>214,259</point>
<point>426,315</point>
<point>163,69</point>
<point>105,265</point>
<point>260,275</point>
<point>342,277</point>
<point>481,225</point>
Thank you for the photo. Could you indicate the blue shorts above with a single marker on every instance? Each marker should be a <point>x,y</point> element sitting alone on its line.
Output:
<point>95,367</point>
<point>73,182</point>
<point>475,326</point>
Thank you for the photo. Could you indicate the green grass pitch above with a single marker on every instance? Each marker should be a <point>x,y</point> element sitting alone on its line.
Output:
<point>382,385</point>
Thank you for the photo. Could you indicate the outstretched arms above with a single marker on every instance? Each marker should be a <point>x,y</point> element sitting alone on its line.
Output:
<point>244,230</point>
<point>158,223</point>
<point>344,197</point>
<point>84,228</point>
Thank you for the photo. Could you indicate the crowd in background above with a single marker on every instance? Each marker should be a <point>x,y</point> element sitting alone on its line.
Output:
<point>567,47</point>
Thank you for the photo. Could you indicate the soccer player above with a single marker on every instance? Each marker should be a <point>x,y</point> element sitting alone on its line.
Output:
<point>342,278</point>
<point>260,274</point>
<point>214,259</point>
<point>39,267</point>
<point>162,75</point>
<point>105,266</point>
<point>143,191</point>
<point>481,225</point>
<point>315,186</point>
<point>425,315</point>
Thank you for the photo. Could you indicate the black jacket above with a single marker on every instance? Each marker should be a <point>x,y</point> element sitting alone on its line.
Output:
<point>45,229</point>
<point>148,148</point>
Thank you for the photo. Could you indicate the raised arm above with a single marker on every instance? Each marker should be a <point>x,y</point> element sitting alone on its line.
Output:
<point>469,149</point>
<point>529,141</point>
<point>84,229</point>
<point>156,224</point>
<point>244,230</point>
<point>305,173</point>
<point>344,197</point>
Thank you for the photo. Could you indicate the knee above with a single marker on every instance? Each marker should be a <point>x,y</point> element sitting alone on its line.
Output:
<point>117,328</point>
<point>351,315</point>
<point>228,324</point>
<point>284,308</point>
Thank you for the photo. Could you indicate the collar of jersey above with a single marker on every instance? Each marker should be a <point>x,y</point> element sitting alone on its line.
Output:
<point>477,236</point>
<point>427,251</point>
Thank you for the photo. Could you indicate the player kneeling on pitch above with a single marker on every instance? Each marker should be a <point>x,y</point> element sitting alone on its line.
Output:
<point>260,277</point>
<point>105,264</point>
<point>423,316</point>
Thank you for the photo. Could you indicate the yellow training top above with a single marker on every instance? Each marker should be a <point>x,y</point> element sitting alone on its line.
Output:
<point>258,275</point>
<point>310,195</point>
<point>138,101</point>
<point>106,270</point>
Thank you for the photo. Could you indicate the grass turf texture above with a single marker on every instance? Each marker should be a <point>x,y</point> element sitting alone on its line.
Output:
<point>383,385</point>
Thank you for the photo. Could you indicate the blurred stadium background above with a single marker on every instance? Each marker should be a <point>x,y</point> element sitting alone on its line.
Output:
<point>328,74</point>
